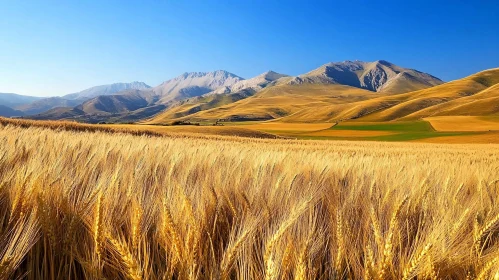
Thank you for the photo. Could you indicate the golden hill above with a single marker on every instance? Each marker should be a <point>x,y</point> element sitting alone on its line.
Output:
<point>476,95</point>
<point>379,76</point>
<point>473,95</point>
<point>272,103</point>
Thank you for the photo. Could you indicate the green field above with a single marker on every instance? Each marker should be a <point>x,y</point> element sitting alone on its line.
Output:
<point>400,131</point>
<point>414,126</point>
<point>403,131</point>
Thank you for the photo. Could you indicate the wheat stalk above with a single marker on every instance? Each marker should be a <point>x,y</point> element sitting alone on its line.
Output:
<point>482,232</point>
<point>432,275</point>
<point>340,243</point>
<point>287,258</point>
<point>270,266</point>
<point>301,264</point>
<point>127,259</point>
<point>231,253</point>
<point>369,263</point>
<point>409,270</point>
<point>136,218</point>
<point>376,228</point>
<point>98,224</point>
<point>486,268</point>
<point>387,252</point>
<point>170,229</point>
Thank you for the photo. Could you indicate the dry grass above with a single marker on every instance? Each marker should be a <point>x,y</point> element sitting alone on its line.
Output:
<point>464,123</point>
<point>95,205</point>
<point>150,130</point>
<point>278,101</point>
<point>193,130</point>
<point>485,138</point>
<point>75,126</point>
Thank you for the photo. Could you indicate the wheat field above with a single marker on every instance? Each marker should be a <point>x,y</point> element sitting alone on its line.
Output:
<point>110,205</point>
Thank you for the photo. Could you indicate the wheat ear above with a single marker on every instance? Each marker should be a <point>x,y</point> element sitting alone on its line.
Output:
<point>98,226</point>
<point>230,255</point>
<point>409,271</point>
<point>126,259</point>
<point>485,270</point>
<point>485,230</point>
<point>387,252</point>
<point>270,267</point>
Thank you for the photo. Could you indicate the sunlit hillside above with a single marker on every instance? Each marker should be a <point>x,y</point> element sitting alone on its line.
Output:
<point>476,95</point>
<point>108,205</point>
<point>275,102</point>
<point>472,93</point>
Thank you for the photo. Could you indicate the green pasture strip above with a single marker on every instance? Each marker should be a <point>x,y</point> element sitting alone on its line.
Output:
<point>386,126</point>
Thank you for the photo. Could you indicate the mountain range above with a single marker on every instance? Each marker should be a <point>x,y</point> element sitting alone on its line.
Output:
<point>476,95</point>
<point>74,99</point>
<point>379,76</point>
<point>332,92</point>
<point>12,100</point>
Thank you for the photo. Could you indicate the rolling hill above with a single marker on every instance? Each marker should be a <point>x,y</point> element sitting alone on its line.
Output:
<point>223,95</point>
<point>334,91</point>
<point>134,104</point>
<point>127,102</point>
<point>314,102</point>
<point>471,93</point>
<point>70,100</point>
<point>276,102</point>
<point>379,77</point>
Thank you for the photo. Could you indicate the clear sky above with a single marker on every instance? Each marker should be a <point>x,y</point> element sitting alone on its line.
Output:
<point>59,47</point>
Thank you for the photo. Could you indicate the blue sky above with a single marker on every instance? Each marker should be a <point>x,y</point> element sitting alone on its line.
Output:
<point>58,47</point>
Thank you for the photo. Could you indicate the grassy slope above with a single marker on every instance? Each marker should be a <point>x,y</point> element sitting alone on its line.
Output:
<point>477,94</point>
<point>465,123</point>
<point>283,100</point>
<point>194,105</point>
<point>440,99</point>
<point>483,103</point>
<point>474,95</point>
<point>134,129</point>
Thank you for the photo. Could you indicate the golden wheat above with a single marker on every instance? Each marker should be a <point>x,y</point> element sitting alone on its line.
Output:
<point>188,207</point>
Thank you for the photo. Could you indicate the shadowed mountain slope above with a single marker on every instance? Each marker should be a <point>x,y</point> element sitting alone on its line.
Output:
<point>13,100</point>
<point>106,90</point>
<point>9,112</point>
<point>379,76</point>
<point>74,99</point>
